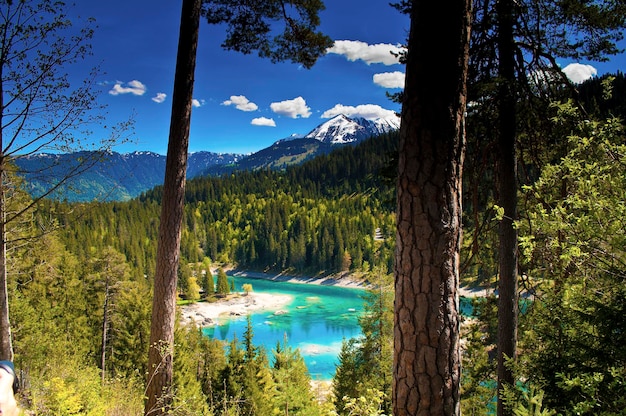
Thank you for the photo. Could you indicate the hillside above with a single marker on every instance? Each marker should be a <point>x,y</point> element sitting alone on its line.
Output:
<point>121,177</point>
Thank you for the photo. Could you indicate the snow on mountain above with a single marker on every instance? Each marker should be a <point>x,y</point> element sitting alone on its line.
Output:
<point>342,129</point>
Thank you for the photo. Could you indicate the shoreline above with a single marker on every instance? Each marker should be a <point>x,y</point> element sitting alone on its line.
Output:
<point>206,314</point>
<point>339,281</point>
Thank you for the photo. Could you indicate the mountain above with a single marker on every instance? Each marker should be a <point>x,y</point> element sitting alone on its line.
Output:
<point>338,131</point>
<point>119,177</point>
<point>342,129</point>
<point>106,177</point>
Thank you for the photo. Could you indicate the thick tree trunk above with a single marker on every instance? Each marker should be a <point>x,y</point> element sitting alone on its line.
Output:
<point>160,358</point>
<point>507,192</point>
<point>432,143</point>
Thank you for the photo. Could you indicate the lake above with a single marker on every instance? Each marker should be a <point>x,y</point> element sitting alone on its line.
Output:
<point>317,321</point>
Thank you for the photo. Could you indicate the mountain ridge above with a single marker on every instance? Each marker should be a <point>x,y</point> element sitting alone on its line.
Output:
<point>123,176</point>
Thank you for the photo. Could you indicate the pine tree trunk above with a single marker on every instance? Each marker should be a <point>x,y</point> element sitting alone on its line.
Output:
<point>428,238</point>
<point>160,358</point>
<point>507,192</point>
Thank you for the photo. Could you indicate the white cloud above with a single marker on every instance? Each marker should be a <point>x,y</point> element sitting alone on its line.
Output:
<point>578,73</point>
<point>133,87</point>
<point>241,103</point>
<point>367,111</point>
<point>263,121</point>
<point>292,108</point>
<point>197,103</point>
<point>390,79</point>
<point>159,98</point>
<point>379,53</point>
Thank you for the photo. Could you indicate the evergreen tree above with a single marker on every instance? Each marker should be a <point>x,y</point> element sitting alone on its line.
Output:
<point>223,287</point>
<point>207,283</point>
<point>369,359</point>
<point>293,383</point>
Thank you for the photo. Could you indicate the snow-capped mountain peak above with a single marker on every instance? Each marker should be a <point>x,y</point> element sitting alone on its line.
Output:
<point>342,129</point>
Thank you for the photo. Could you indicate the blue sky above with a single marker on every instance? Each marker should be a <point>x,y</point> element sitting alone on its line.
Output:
<point>245,103</point>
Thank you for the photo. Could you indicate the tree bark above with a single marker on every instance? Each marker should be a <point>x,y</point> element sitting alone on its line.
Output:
<point>428,236</point>
<point>160,358</point>
<point>507,192</point>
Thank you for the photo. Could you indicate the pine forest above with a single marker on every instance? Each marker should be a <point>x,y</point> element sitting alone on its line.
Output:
<point>80,276</point>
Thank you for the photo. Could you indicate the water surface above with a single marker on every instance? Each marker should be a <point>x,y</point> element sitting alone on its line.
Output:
<point>317,321</point>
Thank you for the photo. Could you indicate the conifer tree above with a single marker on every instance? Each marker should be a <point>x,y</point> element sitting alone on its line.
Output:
<point>223,287</point>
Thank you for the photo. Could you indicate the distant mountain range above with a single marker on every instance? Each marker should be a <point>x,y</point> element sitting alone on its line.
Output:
<point>118,177</point>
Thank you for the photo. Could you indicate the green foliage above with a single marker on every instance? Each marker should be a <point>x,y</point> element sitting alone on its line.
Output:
<point>576,251</point>
<point>364,371</point>
<point>223,288</point>
<point>66,386</point>
<point>293,383</point>
<point>529,402</point>
<point>479,332</point>
<point>207,283</point>
<point>249,28</point>
<point>368,405</point>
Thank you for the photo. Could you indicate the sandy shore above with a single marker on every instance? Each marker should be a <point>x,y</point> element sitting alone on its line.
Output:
<point>209,313</point>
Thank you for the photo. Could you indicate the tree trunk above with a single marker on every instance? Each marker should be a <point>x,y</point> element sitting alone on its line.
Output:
<point>105,326</point>
<point>6,344</point>
<point>160,358</point>
<point>507,192</point>
<point>432,144</point>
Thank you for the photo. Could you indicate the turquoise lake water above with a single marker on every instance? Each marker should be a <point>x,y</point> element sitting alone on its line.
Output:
<point>317,321</point>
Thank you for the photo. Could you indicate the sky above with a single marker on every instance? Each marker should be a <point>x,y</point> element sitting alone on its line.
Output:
<point>243,103</point>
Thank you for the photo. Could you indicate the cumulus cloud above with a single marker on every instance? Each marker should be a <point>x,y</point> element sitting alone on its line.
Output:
<point>263,121</point>
<point>133,87</point>
<point>159,98</point>
<point>578,73</point>
<point>241,103</point>
<point>367,111</point>
<point>390,79</point>
<point>353,50</point>
<point>197,103</point>
<point>292,108</point>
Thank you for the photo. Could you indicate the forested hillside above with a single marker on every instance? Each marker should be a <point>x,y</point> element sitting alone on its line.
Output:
<point>80,290</point>
<point>505,183</point>
<point>317,217</point>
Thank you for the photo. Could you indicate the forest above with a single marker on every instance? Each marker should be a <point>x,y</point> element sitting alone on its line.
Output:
<point>80,291</point>
<point>505,176</point>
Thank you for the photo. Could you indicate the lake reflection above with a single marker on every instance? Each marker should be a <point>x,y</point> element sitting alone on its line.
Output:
<point>316,322</point>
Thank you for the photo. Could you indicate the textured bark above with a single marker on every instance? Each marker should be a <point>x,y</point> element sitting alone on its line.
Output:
<point>160,358</point>
<point>428,238</point>
<point>507,192</point>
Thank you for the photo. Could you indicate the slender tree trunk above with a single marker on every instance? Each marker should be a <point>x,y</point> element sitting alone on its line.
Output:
<point>507,191</point>
<point>105,325</point>
<point>160,358</point>
<point>6,344</point>
<point>432,144</point>
<point>6,341</point>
